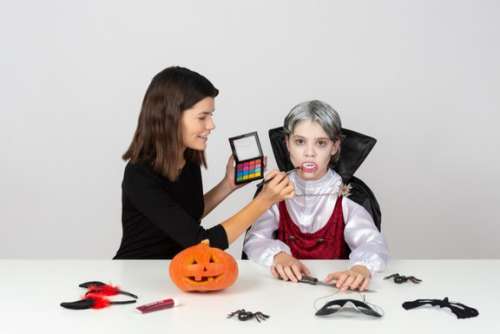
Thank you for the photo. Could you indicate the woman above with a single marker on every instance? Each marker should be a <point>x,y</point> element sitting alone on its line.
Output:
<point>319,222</point>
<point>162,193</point>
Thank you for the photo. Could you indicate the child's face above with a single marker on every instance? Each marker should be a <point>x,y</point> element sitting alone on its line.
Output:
<point>311,149</point>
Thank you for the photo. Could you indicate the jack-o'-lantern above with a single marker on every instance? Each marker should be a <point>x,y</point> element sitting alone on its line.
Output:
<point>203,268</point>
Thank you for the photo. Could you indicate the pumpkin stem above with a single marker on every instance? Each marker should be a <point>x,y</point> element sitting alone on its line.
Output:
<point>206,242</point>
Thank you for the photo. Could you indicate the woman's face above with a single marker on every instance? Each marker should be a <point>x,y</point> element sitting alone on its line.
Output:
<point>311,149</point>
<point>197,123</point>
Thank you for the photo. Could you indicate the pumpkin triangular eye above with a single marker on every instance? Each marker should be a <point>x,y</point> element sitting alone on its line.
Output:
<point>211,260</point>
<point>194,261</point>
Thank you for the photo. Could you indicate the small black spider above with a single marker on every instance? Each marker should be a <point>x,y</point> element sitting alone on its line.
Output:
<point>401,279</point>
<point>247,315</point>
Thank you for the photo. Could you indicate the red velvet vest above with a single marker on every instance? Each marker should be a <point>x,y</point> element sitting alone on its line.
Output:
<point>326,243</point>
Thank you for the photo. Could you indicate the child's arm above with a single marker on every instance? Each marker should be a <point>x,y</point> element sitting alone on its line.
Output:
<point>355,278</point>
<point>286,267</point>
<point>369,252</point>
<point>261,247</point>
<point>367,244</point>
<point>259,244</point>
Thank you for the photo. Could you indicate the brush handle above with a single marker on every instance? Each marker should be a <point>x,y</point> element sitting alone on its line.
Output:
<point>261,184</point>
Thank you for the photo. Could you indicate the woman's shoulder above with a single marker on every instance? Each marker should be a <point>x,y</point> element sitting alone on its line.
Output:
<point>133,168</point>
<point>144,171</point>
<point>146,167</point>
<point>140,171</point>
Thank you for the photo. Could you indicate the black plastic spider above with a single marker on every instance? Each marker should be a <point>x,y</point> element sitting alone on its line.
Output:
<point>401,279</point>
<point>247,315</point>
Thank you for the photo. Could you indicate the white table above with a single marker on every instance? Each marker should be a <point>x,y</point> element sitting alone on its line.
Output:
<point>31,291</point>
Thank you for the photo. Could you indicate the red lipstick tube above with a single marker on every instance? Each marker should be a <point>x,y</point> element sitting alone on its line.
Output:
<point>159,305</point>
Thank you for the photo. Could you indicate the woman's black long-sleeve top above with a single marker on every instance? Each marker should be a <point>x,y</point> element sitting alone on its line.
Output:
<point>160,217</point>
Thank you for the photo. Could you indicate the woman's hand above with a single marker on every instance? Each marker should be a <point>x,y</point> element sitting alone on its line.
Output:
<point>218,193</point>
<point>288,268</point>
<point>229,177</point>
<point>277,188</point>
<point>356,278</point>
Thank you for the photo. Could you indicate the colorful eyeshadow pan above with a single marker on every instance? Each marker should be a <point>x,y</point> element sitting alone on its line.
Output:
<point>248,156</point>
<point>249,170</point>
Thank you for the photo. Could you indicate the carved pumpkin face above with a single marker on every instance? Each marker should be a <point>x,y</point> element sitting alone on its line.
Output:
<point>203,268</point>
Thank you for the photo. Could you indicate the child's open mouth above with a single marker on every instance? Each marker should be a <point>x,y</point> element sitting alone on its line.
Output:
<point>309,167</point>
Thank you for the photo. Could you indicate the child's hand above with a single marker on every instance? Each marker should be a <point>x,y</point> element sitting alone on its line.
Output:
<point>356,278</point>
<point>286,267</point>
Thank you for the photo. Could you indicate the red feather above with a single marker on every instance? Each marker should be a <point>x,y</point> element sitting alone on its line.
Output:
<point>99,302</point>
<point>104,290</point>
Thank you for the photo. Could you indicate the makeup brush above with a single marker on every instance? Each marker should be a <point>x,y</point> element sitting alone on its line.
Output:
<point>260,184</point>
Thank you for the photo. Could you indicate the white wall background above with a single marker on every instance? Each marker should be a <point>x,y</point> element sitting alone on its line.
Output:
<point>421,76</point>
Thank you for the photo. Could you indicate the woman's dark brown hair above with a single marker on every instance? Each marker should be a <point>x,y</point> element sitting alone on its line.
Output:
<point>158,138</point>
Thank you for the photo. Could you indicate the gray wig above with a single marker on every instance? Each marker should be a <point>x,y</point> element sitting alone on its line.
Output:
<point>317,111</point>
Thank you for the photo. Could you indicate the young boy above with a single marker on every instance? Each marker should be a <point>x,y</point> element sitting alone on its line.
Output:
<point>319,222</point>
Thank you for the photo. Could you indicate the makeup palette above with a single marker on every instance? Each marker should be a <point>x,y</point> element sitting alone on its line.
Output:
<point>249,159</point>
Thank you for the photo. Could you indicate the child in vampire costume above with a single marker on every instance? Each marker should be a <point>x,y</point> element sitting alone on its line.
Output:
<point>321,221</point>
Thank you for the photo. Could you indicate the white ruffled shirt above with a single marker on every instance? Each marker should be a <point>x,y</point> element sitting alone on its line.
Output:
<point>310,213</point>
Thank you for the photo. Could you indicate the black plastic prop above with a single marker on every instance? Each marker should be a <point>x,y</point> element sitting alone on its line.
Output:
<point>95,297</point>
<point>247,315</point>
<point>460,310</point>
<point>402,279</point>
<point>94,287</point>
<point>338,304</point>
<point>87,303</point>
